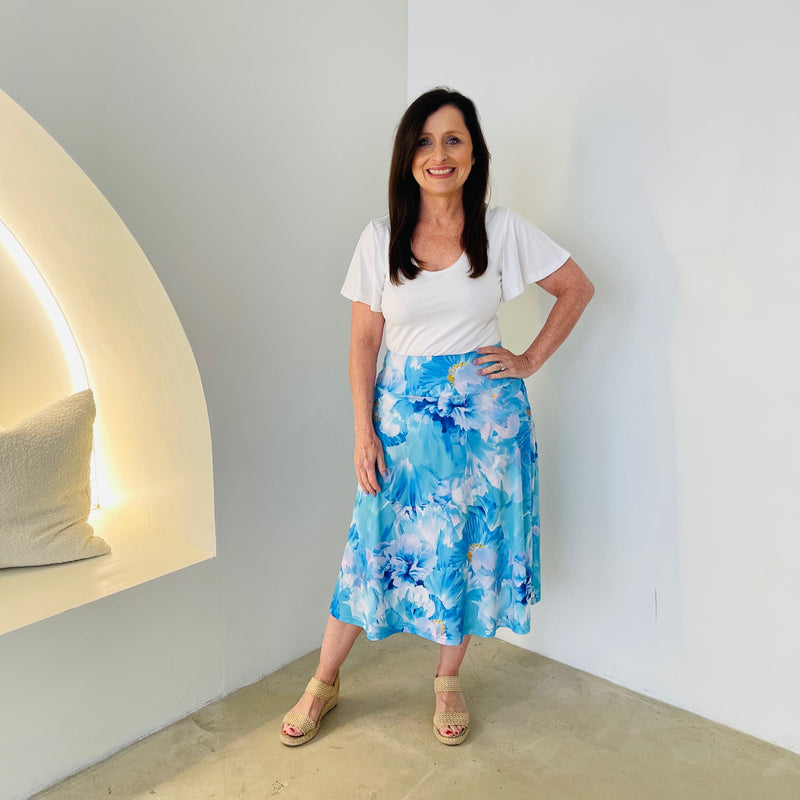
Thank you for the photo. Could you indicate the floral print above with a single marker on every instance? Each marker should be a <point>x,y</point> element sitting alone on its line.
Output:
<point>450,545</point>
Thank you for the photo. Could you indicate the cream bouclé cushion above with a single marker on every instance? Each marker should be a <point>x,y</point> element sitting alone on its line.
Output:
<point>44,486</point>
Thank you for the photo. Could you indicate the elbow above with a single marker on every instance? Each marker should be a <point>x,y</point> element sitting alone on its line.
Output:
<point>588,292</point>
<point>366,342</point>
<point>364,346</point>
<point>583,292</point>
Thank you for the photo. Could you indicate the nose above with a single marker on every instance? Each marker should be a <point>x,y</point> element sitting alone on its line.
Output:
<point>439,153</point>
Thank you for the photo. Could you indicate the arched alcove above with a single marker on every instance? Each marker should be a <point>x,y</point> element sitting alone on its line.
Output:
<point>154,470</point>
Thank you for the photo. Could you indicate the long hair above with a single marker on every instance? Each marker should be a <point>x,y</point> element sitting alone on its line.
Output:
<point>404,199</point>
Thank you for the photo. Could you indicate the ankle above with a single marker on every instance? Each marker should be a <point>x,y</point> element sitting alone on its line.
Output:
<point>326,675</point>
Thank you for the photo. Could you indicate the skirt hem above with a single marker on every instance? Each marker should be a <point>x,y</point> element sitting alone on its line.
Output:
<point>385,633</point>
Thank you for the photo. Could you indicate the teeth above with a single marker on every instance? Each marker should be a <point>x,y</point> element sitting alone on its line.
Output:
<point>445,171</point>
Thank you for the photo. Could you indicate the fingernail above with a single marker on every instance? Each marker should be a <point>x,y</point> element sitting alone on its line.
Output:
<point>385,473</point>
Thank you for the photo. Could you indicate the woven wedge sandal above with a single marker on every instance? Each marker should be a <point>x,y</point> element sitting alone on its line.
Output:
<point>330,694</point>
<point>449,683</point>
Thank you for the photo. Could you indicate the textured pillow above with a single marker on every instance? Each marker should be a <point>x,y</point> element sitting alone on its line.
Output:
<point>44,486</point>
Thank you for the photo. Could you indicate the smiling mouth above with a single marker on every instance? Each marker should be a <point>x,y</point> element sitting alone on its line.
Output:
<point>443,171</point>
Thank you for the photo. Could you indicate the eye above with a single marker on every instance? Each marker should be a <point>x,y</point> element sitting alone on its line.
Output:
<point>453,140</point>
<point>424,142</point>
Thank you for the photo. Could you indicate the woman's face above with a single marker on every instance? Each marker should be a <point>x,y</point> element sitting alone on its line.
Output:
<point>443,159</point>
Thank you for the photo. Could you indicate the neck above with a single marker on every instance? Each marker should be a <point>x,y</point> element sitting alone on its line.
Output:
<point>441,211</point>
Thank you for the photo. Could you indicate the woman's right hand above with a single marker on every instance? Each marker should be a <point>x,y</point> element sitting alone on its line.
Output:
<point>369,461</point>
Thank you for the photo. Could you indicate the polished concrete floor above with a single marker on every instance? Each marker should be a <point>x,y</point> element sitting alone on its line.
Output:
<point>540,730</point>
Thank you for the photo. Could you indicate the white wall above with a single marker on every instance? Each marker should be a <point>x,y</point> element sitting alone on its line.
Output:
<point>244,144</point>
<point>658,142</point>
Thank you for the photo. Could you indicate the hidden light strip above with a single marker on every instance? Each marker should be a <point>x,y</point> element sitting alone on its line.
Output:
<point>77,368</point>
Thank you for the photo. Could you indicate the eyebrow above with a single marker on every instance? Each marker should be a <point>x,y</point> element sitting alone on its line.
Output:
<point>446,133</point>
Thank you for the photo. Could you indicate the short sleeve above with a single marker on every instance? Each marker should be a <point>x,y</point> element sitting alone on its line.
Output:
<point>526,254</point>
<point>366,275</point>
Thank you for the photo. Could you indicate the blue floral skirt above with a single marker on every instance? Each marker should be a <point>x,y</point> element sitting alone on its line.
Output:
<point>450,545</point>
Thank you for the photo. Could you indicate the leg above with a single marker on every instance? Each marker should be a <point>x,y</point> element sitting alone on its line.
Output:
<point>336,644</point>
<point>450,658</point>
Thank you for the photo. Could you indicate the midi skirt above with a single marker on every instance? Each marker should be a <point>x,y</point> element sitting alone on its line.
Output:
<point>450,545</point>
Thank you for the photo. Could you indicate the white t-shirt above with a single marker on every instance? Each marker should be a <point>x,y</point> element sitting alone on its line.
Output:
<point>446,312</point>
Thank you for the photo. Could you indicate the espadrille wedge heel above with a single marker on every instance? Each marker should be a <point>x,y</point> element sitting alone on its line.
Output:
<point>449,683</point>
<point>330,694</point>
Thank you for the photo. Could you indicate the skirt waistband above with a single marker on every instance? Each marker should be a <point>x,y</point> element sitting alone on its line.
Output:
<point>429,376</point>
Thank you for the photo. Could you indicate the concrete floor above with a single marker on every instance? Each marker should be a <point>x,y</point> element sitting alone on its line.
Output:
<point>540,730</point>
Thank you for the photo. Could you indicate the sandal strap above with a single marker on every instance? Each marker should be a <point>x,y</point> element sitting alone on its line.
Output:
<point>322,690</point>
<point>451,718</point>
<point>447,683</point>
<point>298,720</point>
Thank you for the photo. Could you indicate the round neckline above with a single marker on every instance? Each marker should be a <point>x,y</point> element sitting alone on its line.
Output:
<point>444,269</point>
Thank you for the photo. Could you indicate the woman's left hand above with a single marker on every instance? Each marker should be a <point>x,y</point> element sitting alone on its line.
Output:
<point>497,362</point>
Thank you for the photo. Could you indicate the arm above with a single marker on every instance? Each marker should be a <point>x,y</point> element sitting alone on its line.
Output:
<point>366,332</point>
<point>573,291</point>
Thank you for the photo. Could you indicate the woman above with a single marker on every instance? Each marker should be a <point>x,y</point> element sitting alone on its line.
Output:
<point>444,537</point>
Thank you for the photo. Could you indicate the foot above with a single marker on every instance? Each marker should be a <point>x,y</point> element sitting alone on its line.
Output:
<point>310,706</point>
<point>451,701</point>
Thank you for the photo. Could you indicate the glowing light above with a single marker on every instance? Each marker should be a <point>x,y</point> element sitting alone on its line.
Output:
<point>72,354</point>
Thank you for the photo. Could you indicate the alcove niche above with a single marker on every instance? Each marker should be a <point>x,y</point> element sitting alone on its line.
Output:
<point>99,317</point>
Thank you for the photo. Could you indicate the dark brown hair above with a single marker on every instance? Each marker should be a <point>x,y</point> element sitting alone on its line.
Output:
<point>404,189</point>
